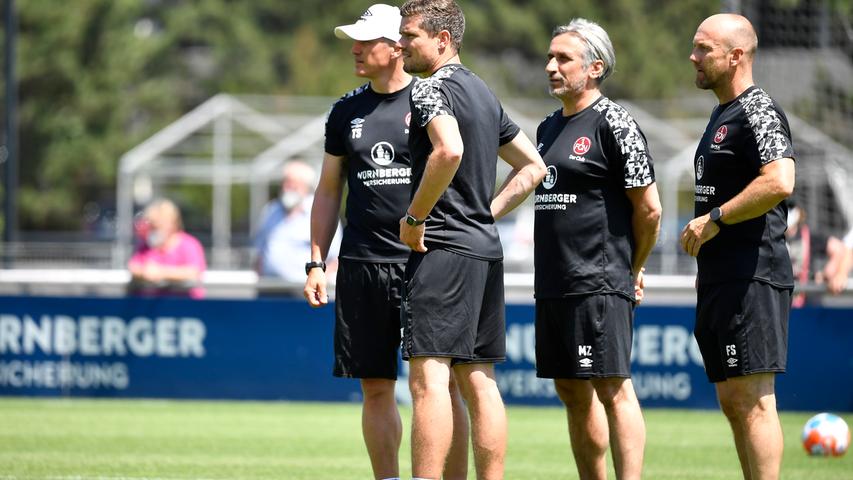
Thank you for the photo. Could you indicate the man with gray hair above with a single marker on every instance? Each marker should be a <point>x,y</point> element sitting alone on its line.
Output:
<point>282,239</point>
<point>597,217</point>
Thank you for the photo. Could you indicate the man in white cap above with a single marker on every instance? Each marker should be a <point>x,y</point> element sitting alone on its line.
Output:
<point>367,134</point>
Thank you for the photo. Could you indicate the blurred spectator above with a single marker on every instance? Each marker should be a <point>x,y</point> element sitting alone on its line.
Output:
<point>815,256</point>
<point>838,283</point>
<point>167,260</point>
<point>283,239</point>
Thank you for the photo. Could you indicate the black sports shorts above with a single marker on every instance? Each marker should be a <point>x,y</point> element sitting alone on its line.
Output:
<point>453,306</point>
<point>367,323</point>
<point>584,336</point>
<point>742,328</point>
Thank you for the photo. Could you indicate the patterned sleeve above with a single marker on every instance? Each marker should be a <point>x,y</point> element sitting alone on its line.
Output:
<point>428,99</point>
<point>639,169</point>
<point>769,125</point>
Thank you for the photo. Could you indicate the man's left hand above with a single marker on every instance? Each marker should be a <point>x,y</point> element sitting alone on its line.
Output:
<point>412,235</point>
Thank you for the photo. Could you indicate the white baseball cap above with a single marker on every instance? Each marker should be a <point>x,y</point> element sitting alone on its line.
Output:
<point>379,21</point>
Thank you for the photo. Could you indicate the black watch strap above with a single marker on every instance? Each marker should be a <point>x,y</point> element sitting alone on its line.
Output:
<point>310,265</point>
<point>411,220</point>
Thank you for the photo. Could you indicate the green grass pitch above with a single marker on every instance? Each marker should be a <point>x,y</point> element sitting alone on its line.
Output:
<point>182,440</point>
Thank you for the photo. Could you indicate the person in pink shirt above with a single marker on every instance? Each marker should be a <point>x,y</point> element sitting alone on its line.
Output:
<point>169,262</point>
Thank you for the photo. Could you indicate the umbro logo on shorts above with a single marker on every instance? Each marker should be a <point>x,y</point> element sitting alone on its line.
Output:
<point>731,352</point>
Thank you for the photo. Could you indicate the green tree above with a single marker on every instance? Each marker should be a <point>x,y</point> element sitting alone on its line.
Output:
<point>97,78</point>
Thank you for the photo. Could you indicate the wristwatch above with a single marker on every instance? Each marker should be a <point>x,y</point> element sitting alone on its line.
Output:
<point>716,216</point>
<point>310,265</point>
<point>411,220</point>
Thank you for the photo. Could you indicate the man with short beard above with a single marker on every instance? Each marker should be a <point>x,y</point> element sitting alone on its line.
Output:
<point>367,149</point>
<point>744,170</point>
<point>453,306</point>
<point>597,219</point>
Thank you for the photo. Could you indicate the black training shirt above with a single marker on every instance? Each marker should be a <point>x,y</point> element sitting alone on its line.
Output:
<point>742,136</point>
<point>371,130</point>
<point>461,220</point>
<point>583,232</point>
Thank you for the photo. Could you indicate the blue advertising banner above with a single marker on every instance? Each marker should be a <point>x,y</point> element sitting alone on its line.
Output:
<point>666,364</point>
<point>168,348</point>
<point>282,349</point>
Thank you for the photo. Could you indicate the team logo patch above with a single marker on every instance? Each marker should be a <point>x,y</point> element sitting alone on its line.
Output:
<point>550,178</point>
<point>700,167</point>
<point>582,145</point>
<point>721,134</point>
<point>382,154</point>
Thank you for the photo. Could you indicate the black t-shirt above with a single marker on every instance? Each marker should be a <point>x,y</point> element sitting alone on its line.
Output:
<point>743,136</point>
<point>461,220</point>
<point>371,130</point>
<point>583,232</point>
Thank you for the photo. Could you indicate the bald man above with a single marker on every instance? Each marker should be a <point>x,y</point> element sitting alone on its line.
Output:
<point>744,170</point>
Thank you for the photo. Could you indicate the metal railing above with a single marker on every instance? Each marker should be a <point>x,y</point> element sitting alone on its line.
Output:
<point>245,284</point>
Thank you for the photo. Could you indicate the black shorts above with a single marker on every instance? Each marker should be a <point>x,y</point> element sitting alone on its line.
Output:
<point>742,328</point>
<point>367,323</point>
<point>453,306</point>
<point>585,336</point>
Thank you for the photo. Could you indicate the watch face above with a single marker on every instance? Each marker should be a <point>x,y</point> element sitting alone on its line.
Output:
<point>716,213</point>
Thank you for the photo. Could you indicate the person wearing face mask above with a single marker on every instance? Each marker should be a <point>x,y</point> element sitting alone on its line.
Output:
<point>283,240</point>
<point>168,261</point>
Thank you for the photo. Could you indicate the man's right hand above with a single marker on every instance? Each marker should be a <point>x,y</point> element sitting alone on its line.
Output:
<point>315,288</point>
<point>639,286</point>
<point>696,233</point>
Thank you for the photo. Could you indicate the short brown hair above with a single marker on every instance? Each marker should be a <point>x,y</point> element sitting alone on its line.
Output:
<point>438,15</point>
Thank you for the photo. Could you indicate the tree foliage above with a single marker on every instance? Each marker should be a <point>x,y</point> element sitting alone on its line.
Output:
<point>96,77</point>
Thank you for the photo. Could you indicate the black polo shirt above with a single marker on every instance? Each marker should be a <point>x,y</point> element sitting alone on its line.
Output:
<point>461,221</point>
<point>583,232</point>
<point>741,137</point>
<point>372,131</point>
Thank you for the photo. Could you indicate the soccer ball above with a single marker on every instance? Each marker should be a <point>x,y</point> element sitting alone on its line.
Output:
<point>826,434</point>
